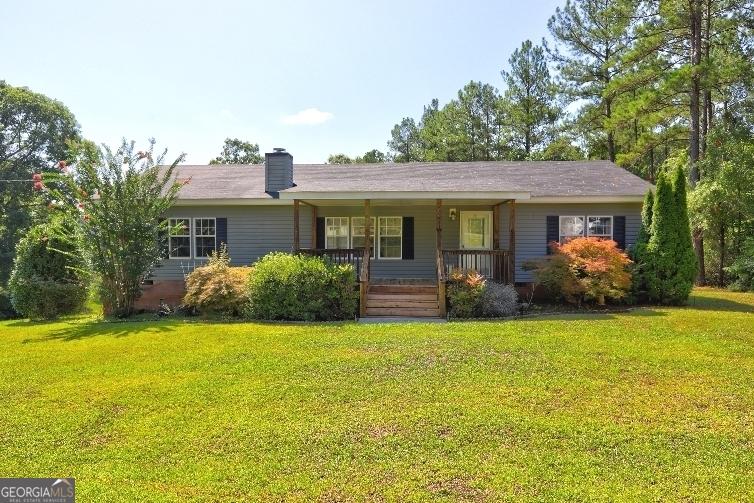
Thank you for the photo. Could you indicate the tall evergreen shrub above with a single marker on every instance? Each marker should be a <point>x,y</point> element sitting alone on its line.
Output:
<point>639,250</point>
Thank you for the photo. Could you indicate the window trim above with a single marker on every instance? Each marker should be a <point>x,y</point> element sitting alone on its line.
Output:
<point>379,242</point>
<point>612,226</point>
<point>348,235</point>
<point>171,236</point>
<point>374,235</point>
<point>194,235</point>
<point>560,227</point>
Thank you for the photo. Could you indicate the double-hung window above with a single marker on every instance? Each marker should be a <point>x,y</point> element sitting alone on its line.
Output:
<point>390,237</point>
<point>179,240</point>
<point>570,227</point>
<point>358,232</point>
<point>205,237</point>
<point>336,232</point>
<point>600,227</point>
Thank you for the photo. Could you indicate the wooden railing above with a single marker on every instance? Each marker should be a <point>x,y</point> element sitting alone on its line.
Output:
<point>495,265</point>
<point>353,256</point>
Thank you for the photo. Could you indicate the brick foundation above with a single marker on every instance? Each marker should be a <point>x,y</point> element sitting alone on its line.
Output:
<point>170,291</point>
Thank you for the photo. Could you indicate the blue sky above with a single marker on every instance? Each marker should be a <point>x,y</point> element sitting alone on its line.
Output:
<point>315,77</point>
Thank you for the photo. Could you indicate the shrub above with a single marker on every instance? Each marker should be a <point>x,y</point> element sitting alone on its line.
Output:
<point>299,287</point>
<point>6,308</point>
<point>586,269</point>
<point>741,271</point>
<point>498,300</point>
<point>218,288</point>
<point>670,262</point>
<point>48,274</point>
<point>464,292</point>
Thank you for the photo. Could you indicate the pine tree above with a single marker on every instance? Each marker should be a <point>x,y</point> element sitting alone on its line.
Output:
<point>669,267</point>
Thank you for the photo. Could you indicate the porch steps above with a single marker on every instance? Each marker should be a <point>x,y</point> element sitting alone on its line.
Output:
<point>402,300</point>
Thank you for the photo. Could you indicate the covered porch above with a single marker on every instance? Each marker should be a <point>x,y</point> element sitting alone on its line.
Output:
<point>411,241</point>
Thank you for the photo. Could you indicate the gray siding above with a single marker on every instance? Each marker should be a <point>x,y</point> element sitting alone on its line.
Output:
<point>254,231</point>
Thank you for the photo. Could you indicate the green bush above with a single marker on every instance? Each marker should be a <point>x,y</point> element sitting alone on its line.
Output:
<point>465,288</point>
<point>47,278</point>
<point>299,287</point>
<point>218,288</point>
<point>6,308</point>
<point>741,271</point>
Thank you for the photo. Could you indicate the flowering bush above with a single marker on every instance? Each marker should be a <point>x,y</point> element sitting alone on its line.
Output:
<point>586,268</point>
<point>465,288</point>
<point>217,287</point>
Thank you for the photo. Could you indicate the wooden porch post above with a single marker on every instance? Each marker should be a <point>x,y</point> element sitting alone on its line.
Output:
<point>296,242</point>
<point>512,241</point>
<point>364,279</point>
<point>442,308</point>
<point>496,226</point>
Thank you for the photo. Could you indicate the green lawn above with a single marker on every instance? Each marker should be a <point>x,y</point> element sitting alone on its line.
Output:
<point>656,404</point>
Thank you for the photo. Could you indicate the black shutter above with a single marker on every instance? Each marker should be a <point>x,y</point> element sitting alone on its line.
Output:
<point>320,232</point>
<point>221,229</point>
<point>408,238</point>
<point>553,231</point>
<point>619,231</point>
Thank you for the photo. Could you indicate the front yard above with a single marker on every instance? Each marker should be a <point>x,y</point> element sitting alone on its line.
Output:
<point>647,405</point>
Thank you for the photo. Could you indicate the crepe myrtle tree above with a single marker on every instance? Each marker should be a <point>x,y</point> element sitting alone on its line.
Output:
<point>118,199</point>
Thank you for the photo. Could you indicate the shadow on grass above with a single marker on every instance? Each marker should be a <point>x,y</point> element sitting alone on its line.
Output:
<point>704,302</point>
<point>86,330</point>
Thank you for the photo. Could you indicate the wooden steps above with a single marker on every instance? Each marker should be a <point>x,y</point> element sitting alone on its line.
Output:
<point>402,300</point>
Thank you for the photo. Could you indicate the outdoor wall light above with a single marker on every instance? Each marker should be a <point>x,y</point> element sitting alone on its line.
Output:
<point>452,214</point>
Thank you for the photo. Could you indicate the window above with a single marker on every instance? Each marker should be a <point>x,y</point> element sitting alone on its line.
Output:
<point>179,242</point>
<point>601,227</point>
<point>358,232</point>
<point>336,232</point>
<point>390,237</point>
<point>204,237</point>
<point>570,227</point>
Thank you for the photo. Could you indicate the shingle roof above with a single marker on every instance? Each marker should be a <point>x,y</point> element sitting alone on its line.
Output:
<point>540,178</point>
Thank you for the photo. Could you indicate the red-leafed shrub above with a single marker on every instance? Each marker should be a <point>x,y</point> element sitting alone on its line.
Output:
<point>586,269</point>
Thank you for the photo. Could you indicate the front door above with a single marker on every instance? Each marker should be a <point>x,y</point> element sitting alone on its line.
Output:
<point>476,230</point>
<point>476,234</point>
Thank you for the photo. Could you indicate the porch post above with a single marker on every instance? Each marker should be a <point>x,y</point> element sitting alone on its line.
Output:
<point>364,279</point>
<point>442,308</point>
<point>496,226</point>
<point>296,243</point>
<point>512,241</point>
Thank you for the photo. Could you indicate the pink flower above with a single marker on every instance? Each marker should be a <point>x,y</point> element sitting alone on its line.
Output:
<point>36,177</point>
<point>62,165</point>
<point>38,186</point>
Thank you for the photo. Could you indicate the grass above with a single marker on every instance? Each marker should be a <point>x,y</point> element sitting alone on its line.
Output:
<point>655,404</point>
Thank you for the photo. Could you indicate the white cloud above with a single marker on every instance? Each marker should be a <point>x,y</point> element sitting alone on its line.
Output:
<point>308,117</point>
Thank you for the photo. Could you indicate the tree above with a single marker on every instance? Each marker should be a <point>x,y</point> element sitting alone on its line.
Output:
<point>638,252</point>
<point>404,142</point>
<point>670,261</point>
<point>34,134</point>
<point>560,149</point>
<point>529,104</point>
<point>372,157</point>
<point>592,37</point>
<point>118,201</point>
<point>236,151</point>
<point>339,159</point>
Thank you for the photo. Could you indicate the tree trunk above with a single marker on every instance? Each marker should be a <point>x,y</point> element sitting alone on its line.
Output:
<point>721,269</point>
<point>694,174</point>
<point>610,136</point>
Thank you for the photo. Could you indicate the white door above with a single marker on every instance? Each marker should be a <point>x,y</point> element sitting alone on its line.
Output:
<point>476,230</point>
<point>476,234</point>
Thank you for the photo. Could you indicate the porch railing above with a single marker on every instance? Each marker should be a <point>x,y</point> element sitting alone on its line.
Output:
<point>353,256</point>
<point>493,264</point>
